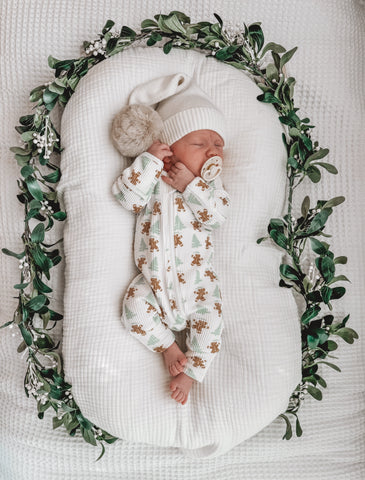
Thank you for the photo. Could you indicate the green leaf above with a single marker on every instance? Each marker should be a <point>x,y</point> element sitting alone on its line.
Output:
<point>34,188</point>
<point>167,47</point>
<point>267,97</point>
<point>322,152</point>
<point>288,432</point>
<point>332,365</point>
<point>314,174</point>
<point>326,293</point>
<point>338,292</point>
<point>275,47</point>
<point>28,136</point>
<point>53,177</point>
<point>277,224</point>
<point>261,239</point>
<point>36,303</point>
<point>305,206</point>
<point>102,452</point>
<point>21,286</point>
<point>319,220</point>
<point>20,151</point>
<point>298,429</point>
<point>272,72</point>
<point>12,254</point>
<point>331,345</point>
<point>279,238</point>
<point>348,334</point>
<point>48,96</point>
<point>146,24</point>
<point>327,166</point>
<point>326,266</point>
<point>318,247</point>
<point>174,24</point>
<point>288,272</point>
<point>40,286</point>
<point>88,436</point>
<point>84,422</point>
<point>21,347</point>
<point>109,24</point>
<point>312,340</point>
<point>52,61</point>
<point>55,88</point>
<point>333,203</point>
<point>287,56</point>
<point>315,392</point>
<point>310,313</point>
<point>37,234</point>
<point>26,335</point>
<point>59,215</point>
<point>339,278</point>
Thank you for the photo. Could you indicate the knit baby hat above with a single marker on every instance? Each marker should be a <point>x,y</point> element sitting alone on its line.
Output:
<point>165,108</point>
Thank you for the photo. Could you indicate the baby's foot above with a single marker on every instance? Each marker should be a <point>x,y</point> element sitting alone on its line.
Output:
<point>180,387</point>
<point>174,359</point>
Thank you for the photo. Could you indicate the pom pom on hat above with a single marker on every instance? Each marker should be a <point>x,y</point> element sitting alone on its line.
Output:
<point>181,107</point>
<point>135,128</point>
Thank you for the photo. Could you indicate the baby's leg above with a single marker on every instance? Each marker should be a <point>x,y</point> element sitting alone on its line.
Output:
<point>142,317</point>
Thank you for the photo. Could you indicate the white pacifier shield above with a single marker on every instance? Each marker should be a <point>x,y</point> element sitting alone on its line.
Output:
<point>211,168</point>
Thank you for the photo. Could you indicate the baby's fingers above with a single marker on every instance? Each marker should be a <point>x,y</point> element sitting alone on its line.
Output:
<point>167,179</point>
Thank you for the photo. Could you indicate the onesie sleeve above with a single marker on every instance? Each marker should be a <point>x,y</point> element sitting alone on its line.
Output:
<point>208,201</point>
<point>133,188</point>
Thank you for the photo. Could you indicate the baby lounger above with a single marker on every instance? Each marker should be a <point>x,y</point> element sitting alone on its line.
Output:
<point>120,385</point>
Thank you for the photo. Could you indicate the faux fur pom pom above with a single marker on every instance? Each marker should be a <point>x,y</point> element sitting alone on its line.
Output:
<point>135,128</point>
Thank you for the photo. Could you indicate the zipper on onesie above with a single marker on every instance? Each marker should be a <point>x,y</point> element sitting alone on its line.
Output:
<point>179,302</point>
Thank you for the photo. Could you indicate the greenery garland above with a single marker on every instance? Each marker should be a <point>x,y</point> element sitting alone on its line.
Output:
<point>243,48</point>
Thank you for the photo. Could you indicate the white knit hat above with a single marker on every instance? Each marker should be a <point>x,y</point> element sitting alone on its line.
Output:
<point>166,108</point>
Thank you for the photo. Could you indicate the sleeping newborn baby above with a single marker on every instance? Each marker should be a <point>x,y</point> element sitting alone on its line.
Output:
<point>175,189</point>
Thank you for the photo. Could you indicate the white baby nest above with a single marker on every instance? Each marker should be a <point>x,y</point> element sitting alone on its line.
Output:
<point>120,385</point>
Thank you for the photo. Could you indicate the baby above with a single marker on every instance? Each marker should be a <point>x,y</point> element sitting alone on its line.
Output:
<point>177,211</point>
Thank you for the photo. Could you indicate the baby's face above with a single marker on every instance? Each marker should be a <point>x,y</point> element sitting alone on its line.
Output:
<point>194,149</point>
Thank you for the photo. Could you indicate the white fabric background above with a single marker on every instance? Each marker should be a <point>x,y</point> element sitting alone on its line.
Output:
<point>329,70</point>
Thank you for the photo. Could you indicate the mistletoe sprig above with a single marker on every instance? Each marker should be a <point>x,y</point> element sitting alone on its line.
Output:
<point>241,47</point>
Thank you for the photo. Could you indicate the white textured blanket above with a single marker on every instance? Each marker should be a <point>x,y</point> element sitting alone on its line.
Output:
<point>329,70</point>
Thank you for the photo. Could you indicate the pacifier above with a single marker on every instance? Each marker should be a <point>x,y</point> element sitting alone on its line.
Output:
<point>211,168</point>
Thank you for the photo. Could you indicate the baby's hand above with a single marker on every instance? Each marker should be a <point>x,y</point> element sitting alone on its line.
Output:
<point>179,176</point>
<point>160,150</point>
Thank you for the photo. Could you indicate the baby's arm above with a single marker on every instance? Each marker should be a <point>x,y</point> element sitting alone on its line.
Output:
<point>133,188</point>
<point>209,201</point>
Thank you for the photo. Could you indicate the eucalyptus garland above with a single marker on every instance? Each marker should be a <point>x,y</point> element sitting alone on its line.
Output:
<point>243,48</point>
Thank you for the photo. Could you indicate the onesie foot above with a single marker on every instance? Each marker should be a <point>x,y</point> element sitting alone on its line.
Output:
<point>174,359</point>
<point>180,387</point>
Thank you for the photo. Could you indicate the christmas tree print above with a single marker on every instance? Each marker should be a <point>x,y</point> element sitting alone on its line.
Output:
<point>145,162</point>
<point>128,313</point>
<point>142,246</point>
<point>192,199</point>
<point>195,346</point>
<point>156,190</point>
<point>197,277</point>
<point>178,261</point>
<point>152,340</point>
<point>154,265</point>
<point>202,310</point>
<point>178,223</point>
<point>155,228</point>
<point>195,242</point>
<point>218,331</point>
<point>216,292</point>
<point>120,196</point>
